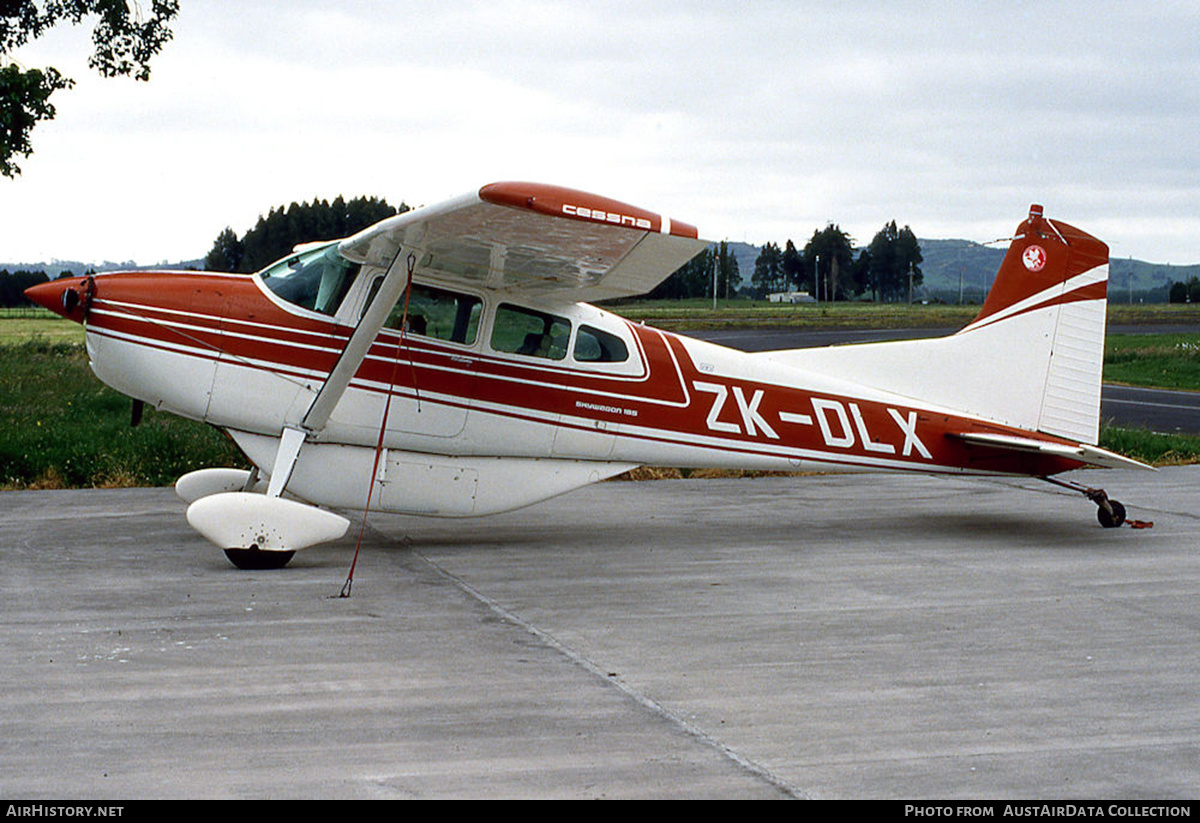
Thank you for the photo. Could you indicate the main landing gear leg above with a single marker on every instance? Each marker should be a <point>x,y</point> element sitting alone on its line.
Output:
<point>1110,513</point>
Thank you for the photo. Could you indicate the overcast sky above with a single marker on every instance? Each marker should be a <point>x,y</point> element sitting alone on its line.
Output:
<point>756,121</point>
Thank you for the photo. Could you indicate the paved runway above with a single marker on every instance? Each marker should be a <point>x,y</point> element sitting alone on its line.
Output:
<point>811,637</point>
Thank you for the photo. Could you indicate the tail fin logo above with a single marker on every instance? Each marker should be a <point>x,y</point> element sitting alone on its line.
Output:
<point>1034,258</point>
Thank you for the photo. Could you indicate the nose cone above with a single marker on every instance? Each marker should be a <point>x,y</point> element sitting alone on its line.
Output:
<point>70,297</point>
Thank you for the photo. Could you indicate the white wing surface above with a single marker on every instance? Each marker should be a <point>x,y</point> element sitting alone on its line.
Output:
<point>528,238</point>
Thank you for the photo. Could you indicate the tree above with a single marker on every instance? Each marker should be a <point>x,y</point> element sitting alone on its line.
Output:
<point>909,259</point>
<point>24,101</point>
<point>729,275</point>
<point>830,254</point>
<point>1188,292</point>
<point>793,266</point>
<point>768,271</point>
<point>894,258</point>
<point>275,235</point>
<point>13,285</point>
<point>125,40</point>
<point>882,267</point>
<point>227,252</point>
<point>860,271</point>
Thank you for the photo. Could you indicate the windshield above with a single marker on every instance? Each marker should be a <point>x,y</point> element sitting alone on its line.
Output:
<point>315,279</point>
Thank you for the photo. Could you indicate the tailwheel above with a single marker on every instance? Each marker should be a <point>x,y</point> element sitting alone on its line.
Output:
<point>257,559</point>
<point>1110,513</point>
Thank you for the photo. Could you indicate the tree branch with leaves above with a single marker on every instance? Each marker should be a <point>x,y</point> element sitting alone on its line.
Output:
<point>125,38</point>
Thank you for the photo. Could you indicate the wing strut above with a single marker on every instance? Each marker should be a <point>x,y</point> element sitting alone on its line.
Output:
<point>264,531</point>
<point>352,356</point>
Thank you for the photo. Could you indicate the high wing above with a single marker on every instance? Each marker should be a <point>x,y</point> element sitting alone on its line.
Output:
<point>524,238</point>
<point>536,240</point>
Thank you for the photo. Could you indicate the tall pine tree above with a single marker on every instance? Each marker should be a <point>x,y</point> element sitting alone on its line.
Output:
<point>830,256</point>
<point>282,229</point>
<point>768,274</point>
<point>894,258</point>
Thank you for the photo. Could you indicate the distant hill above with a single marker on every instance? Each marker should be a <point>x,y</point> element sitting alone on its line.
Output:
<point>955,268</point>
<point>1133,280</point>
<point>949,263</point>
<point>57,268</point>
<point>745,254</point>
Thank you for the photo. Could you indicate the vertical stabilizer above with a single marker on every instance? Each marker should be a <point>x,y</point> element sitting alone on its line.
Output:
<point>1033,356</point>
<point>1057,271</point>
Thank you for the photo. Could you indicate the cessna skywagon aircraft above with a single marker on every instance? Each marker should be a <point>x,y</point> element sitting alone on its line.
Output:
<point>445,362</point>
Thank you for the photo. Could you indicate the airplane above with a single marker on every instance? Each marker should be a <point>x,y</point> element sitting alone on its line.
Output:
<point>448,361</point>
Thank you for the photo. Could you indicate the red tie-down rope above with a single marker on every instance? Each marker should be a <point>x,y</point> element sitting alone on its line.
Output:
<point>387,405</point>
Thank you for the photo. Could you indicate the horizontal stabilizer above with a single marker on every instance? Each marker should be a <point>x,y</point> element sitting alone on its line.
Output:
<point>1092,455</point>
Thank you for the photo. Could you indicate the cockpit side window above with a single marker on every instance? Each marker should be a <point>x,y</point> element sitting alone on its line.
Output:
<point>317,279</point>
<point>595,346</point>
<point>534,333</point>
<point>433,312</point>
<point>437,313</point>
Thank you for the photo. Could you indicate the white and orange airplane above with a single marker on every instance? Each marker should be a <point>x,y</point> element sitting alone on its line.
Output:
<point>445,362</point>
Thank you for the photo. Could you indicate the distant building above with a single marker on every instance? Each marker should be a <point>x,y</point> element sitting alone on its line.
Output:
<point>791,297</point>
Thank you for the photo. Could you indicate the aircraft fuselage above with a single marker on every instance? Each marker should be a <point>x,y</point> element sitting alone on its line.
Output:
<point>225,350</point>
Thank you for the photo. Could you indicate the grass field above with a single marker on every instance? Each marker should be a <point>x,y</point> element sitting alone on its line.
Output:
<point>19,326</point>
<point>1167,361</point>
<point>61,427</point>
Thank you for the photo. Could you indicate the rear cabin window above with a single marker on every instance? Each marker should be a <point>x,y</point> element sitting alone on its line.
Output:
<point>519,330</point>
<point>317,279</point>
<point>595,346</point>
